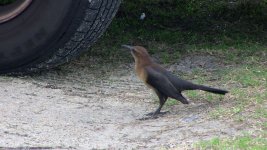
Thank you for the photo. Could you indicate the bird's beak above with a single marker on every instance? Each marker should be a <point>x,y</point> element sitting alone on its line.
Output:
<point>128,47</point>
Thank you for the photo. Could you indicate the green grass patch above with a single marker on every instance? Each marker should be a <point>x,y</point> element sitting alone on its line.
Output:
<point>242,142</point>
<point>250,76</point>
<point>247,98</point>
<point>172,28</point>
<point>171,102</point>
<point>192,94</point>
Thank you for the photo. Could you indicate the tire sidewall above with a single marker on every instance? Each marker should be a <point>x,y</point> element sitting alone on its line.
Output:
<point>38,32</point>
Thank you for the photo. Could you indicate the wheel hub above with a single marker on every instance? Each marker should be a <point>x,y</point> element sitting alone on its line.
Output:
<point>10,11</point>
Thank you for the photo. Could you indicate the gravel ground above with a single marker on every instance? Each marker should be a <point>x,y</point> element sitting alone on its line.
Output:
<point>85,106</point>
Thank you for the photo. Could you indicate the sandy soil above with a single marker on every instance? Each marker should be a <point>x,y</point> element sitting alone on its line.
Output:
<point>99,106</point>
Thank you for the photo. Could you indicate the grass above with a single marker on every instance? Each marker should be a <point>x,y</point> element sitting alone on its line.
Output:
<point>170,46</point>
<point>248,86</point>
<point>188,28</point>
<point>246,104</point>
<point>170,102</point>
<point>235,34</point>
<point>241,142</point>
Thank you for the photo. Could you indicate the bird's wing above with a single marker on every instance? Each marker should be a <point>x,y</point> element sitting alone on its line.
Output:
<point>160,82</point>
<point>178,83</point>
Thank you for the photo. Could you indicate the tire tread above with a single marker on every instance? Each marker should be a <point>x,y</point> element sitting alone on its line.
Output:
<point>97,17</point>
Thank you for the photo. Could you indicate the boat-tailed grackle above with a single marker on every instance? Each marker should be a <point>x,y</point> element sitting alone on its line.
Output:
<point>162,81</point>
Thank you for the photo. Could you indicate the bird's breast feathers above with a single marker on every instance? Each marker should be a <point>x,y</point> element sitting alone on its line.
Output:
<point>141,73</point>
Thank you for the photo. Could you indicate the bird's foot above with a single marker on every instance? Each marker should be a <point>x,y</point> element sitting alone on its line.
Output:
<point>156,114</point>
<point>153,115</point>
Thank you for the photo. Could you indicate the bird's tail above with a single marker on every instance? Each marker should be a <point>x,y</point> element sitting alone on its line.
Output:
<point>212,90</point>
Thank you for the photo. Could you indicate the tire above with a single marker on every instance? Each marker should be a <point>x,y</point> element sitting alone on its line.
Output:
<point>52,32</point>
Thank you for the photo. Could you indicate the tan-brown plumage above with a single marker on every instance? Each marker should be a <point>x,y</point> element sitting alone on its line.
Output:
<point>161,81</point>
<point>142,59</point>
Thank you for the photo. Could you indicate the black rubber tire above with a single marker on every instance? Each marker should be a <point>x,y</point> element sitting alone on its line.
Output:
<point>52,32</point>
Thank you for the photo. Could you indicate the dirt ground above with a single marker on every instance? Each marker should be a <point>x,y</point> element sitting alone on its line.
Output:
<point>101,106</point>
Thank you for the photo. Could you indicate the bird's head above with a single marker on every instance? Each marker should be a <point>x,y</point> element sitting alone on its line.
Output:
<point>138,52</point>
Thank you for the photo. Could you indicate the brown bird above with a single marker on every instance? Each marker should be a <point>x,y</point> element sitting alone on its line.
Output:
<point>162,81</point>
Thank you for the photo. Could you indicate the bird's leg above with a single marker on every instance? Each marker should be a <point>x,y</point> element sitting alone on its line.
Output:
<point>158,110</point>
<point>162,100</point>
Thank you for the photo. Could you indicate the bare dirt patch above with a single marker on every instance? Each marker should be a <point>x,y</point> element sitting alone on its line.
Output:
<point>91,105</point>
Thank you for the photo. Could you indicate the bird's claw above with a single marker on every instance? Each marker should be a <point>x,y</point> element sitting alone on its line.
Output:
<point>155,114</point>
<point>147,118</point>
<point>151,114</point>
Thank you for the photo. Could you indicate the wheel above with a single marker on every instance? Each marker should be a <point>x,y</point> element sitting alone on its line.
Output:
<point>41,34</point>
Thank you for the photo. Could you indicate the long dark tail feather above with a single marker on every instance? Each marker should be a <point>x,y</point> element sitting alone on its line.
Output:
<point>212,90</point>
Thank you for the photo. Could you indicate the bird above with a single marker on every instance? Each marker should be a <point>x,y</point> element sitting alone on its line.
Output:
<point>162,82</point>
